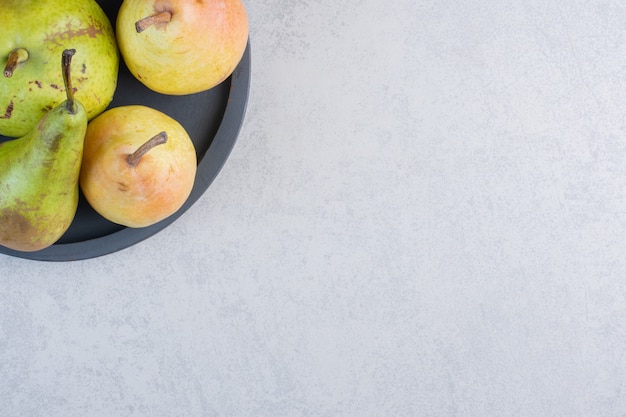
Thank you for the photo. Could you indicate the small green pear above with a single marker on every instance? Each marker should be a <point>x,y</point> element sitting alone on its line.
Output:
<point>39,174</point>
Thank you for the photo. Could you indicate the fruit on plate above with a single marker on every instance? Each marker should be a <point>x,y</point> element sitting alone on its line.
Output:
<point>162,39</point>
<point>34,34</point>
<point>39,175</point>
<point>139,165</point>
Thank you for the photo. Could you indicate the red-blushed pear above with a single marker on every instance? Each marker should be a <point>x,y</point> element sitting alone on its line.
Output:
<point>180,47</point>
<point>139,165</point>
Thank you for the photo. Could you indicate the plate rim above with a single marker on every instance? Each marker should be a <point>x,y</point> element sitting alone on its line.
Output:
<point>209,167</point>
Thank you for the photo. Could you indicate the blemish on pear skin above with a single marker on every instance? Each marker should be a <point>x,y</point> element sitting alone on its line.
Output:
<point>8,111</point>
<point>55,142</point>
<point>122,186</point>
<point>17,232</point>
<point>13,219</point>
<point>56,87</point>
<point>58,37</point>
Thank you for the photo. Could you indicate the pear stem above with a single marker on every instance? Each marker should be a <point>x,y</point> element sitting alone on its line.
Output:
<point>133,158</point>
<point>146,22</point>
<point>66,60</point>
<point>16,57</point>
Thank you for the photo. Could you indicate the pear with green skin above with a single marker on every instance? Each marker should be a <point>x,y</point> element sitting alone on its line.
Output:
<point>34,34</point>
<point>39,175</point>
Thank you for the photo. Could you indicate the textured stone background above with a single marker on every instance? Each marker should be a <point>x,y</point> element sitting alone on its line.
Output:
<point>424,215</point>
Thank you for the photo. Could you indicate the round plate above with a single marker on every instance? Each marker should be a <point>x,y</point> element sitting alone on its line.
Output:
<point>212,119</point>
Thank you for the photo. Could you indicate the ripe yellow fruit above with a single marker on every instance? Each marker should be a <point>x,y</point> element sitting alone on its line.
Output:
<point>131,173</point>
<point>182,46</point>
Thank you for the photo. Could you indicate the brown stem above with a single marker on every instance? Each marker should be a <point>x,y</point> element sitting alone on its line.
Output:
<point>16,57</point>
<point>66,61</point>
<point>146,22</point>
<point>133,158</point>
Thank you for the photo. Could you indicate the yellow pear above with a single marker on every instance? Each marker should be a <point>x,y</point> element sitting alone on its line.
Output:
<point>160,40</point>
<point>139,165</point>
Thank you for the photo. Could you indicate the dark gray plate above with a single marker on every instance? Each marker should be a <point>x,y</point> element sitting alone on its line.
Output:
<point>212,119</point>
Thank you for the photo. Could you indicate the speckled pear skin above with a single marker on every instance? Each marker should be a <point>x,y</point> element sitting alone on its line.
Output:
<point>39,180</point>
<point>45,28</point>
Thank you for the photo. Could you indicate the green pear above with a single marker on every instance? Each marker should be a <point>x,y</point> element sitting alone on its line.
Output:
<point>34,33</point>
<point>39,175</point>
